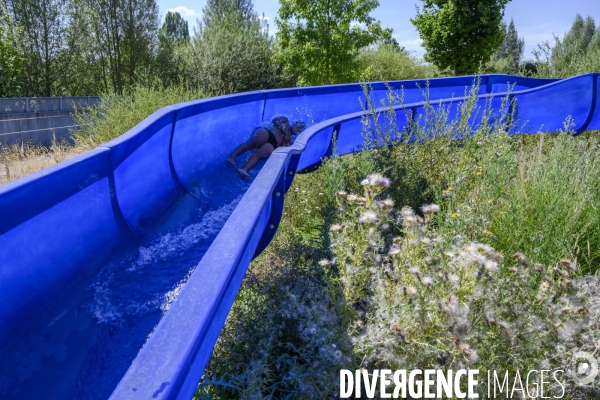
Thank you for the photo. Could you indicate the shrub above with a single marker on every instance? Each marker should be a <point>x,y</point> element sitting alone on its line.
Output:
<point>387,62</point>
<point>231,56</point>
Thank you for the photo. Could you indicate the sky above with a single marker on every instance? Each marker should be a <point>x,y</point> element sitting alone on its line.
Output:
<point>536,20</point>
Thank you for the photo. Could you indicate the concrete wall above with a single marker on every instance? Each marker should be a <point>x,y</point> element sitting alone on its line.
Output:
<point>40,120</point>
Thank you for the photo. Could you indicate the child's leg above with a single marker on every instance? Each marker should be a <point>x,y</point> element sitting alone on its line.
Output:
<point>264,151</point>
<point>242,148</point>
<point>257,140</point>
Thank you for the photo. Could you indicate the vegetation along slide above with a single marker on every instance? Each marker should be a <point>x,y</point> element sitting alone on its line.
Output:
<point>118,267</point>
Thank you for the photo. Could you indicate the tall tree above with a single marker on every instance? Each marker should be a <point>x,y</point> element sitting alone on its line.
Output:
<point>125,35</point>
<point>460,35</point>
<point>176,27</point>
<point>229,55</point>
<point>318,40</point>
<point>581,33</point>
<point>43,27</point>
<point>83,59</point>
<point>173,34</point>
<point>512,48</point>
<point>11,62</point>
<point>216,10</point>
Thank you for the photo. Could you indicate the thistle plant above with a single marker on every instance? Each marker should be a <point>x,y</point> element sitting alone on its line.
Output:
<point>422,299</point>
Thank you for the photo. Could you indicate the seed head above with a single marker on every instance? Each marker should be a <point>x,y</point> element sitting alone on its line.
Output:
<point>430,208</point>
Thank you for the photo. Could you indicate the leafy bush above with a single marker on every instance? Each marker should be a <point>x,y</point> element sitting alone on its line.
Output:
<point>231,56</point>
<point>388,63</point>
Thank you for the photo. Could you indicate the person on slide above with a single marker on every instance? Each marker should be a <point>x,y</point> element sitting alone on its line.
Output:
<point>265,141</point>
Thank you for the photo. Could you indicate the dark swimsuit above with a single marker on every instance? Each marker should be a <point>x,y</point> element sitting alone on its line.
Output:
<point>272,138</point>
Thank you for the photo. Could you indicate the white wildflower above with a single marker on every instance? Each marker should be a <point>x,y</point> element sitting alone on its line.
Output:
<point>491,266</point>
<point>368,217</point>
<point>388,203</point>
<point>335,227</point>
<point>375,180</point>
<point>407,212</point>
<point>427,281</point>
<point>414,270</point>
<point>430,208</point>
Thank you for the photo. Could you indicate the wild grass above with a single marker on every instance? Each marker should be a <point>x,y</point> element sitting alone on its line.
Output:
<point>17,161</point>
<point>116,115</point>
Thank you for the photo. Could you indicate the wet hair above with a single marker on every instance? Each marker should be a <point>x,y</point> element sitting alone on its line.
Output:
<point>300,125</point>
<point>278,121</point>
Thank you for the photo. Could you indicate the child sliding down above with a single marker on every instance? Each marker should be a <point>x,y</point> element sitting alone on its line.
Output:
<point>264,141</point>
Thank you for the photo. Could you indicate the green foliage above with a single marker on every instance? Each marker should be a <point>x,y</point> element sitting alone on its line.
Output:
<point>507,58</point>
<point>578,52</point>
<point>84,47</point>
<point>115,114</point>
<point>318,41</point>
<point>230,56</point>
<point>176,27</point>
<point>43,25</point>
<point>215,10</point>
<point>460,35</point>
<point>173,34</point>
<point>11,62</point>
<point>387,62</point>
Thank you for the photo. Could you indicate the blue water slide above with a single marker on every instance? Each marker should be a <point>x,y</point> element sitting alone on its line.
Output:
<point>118,267</point>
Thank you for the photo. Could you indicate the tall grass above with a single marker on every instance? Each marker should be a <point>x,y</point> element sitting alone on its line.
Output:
<point>22,159</point>
<point>115,115</point>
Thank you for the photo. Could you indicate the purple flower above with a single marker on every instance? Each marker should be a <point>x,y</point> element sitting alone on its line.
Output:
<point>342,209</point>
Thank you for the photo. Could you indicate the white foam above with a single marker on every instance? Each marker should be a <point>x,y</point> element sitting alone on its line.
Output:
<point>170,243</point>
<point>110,302</point>
<point>171,295</point>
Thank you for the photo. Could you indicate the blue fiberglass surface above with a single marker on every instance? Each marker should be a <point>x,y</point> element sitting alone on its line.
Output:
<point>144,242</point>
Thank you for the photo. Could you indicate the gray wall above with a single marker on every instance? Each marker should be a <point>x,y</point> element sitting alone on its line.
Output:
<point>39,119</point>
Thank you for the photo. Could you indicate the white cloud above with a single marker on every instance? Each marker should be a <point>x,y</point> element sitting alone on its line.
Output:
<point>184,11</point>
<point>413,45</point>
<point>264,18</point>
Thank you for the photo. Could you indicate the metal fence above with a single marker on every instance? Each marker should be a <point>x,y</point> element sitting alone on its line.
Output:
<point>15,105</point>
